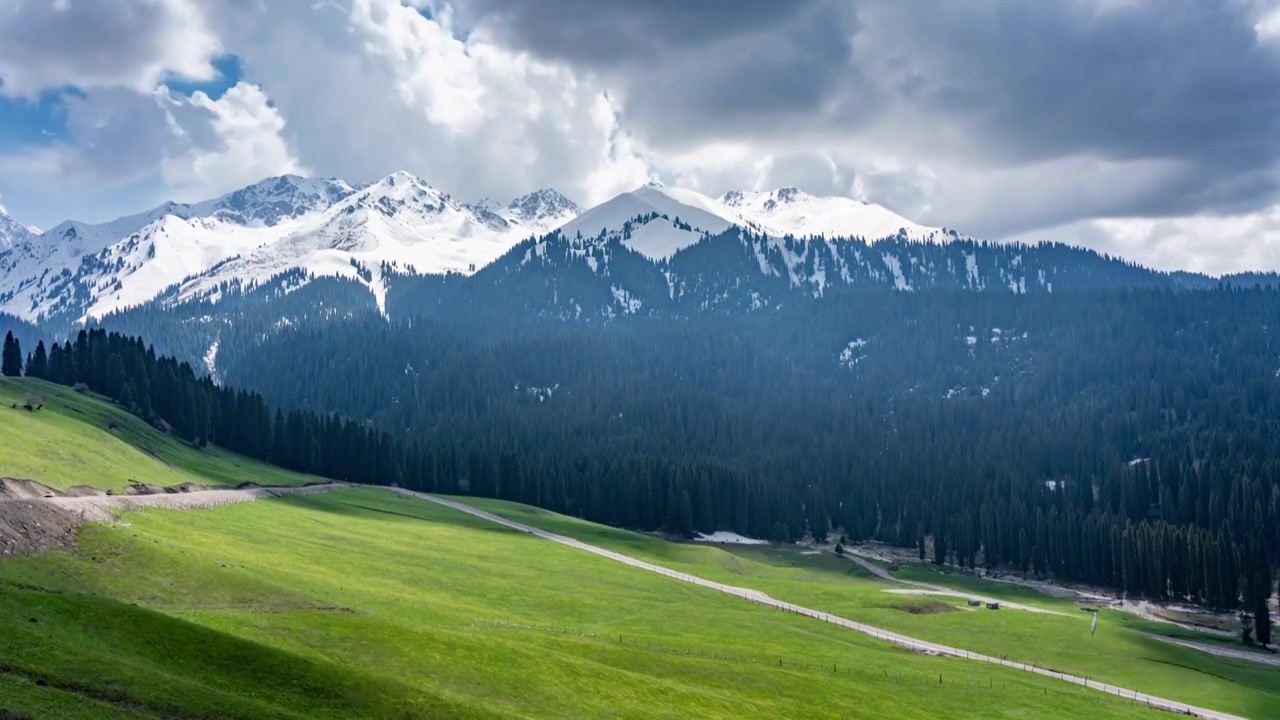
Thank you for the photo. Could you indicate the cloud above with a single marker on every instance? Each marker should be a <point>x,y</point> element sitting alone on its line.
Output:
<point>144,148</point>
<point>89,44</point>
<point>1090,89</point>
<point>1215,245</point>
<point>244,144</point>
<point>403,91</point>
<point>615,32</point>
<point>1001,118</point>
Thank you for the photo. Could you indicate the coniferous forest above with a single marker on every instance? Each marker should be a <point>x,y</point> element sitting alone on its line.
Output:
<point>1126,438</point>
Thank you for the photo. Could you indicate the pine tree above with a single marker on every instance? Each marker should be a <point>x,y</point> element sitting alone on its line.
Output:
<point>11,360</point>
<point>115,377</point>
<point>38,365</point>
<point>1262,613</point>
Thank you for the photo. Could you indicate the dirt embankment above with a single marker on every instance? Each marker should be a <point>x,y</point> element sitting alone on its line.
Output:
<point>35,517</point>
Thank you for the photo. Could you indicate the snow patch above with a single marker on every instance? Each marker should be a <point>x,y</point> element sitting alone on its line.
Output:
<point>732,538</point>
<point>895,267</point>
<point>211,361</point>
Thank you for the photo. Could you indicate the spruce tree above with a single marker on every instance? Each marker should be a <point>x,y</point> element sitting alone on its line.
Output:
<point>38,366</point>
<point>11,360</point>
<point>1261,612</point>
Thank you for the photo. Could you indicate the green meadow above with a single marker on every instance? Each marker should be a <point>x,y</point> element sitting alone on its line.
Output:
<point>1119,653</point>
<point>81,439</point>
<point>361,603</point>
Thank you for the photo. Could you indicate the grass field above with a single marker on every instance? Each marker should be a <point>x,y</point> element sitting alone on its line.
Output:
<point>363,603</point>
<point>1118,653</point>
<point>80,439</point>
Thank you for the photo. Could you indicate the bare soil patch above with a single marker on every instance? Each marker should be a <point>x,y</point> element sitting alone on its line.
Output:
<point>34,518</point>
<point>20,489</point>
<point>33,526</point>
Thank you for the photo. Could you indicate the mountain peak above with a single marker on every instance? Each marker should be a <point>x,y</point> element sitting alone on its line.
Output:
<point>269,202</point>
<point>13,232</point>
<point>788,194</point>
<point>791,211</point>
<point>542,205</point>
<point>401,177</point>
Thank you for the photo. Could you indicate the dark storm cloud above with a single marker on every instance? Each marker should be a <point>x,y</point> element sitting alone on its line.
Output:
<point>615,31</point>
<point>1010,82</point>
<point>1175,79</point>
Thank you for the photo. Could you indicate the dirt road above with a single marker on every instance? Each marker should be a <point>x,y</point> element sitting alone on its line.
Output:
<point>102,507</point>
<point>902,640</point>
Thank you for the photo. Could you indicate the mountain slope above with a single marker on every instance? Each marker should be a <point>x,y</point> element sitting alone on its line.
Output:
<point>398,224</point>
<point>322,227</point>
<point>12,231</point>
<point>788,211</point>
<point>653,220</point>
<point>80,269</point>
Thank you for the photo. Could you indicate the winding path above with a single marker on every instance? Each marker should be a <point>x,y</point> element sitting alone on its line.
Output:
<point>902,640</point>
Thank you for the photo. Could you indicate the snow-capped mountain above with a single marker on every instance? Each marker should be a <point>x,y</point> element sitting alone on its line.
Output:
<point>12,231</point>
<point>658,222</point>
<point>399,224</point>
<point>542,209</point>
<point>788,211</point>
<point>305,228</point>
<point>654,220</point>
<point>325,227</point>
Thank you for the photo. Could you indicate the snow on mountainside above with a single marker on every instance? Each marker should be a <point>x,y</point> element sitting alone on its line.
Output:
<point>653,220</point>
<point>788,211</point>
<point>401,223</point>
<point>543,209</point>
<point>12,231</point>
<point>324,227</point>
<point>659,222</point>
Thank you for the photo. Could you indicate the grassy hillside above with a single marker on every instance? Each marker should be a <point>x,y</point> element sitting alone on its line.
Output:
<point>1119,653</point>
<point>81,439</point>
<point>360,603</point>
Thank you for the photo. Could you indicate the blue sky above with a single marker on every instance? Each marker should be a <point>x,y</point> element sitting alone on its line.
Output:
<point>27,124</point>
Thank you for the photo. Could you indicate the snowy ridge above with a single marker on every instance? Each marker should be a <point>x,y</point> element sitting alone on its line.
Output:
<point>400,225</point>
<point>653,220</point>
<point>658,221</point>
<point>324,227</point>
<point>788,211</point>
<point>12,231</point>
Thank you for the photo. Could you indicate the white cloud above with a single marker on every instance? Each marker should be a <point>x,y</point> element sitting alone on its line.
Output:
<point>383,87</point>
<point>360,88</point>
<point>89,44</point>
<point>1212,244</point>
<point>248,145</point>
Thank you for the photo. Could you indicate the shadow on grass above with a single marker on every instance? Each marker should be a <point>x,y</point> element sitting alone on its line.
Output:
<point>145,662</point>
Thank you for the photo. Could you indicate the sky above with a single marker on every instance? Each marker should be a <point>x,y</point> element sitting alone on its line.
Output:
<point>1142,128</point>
